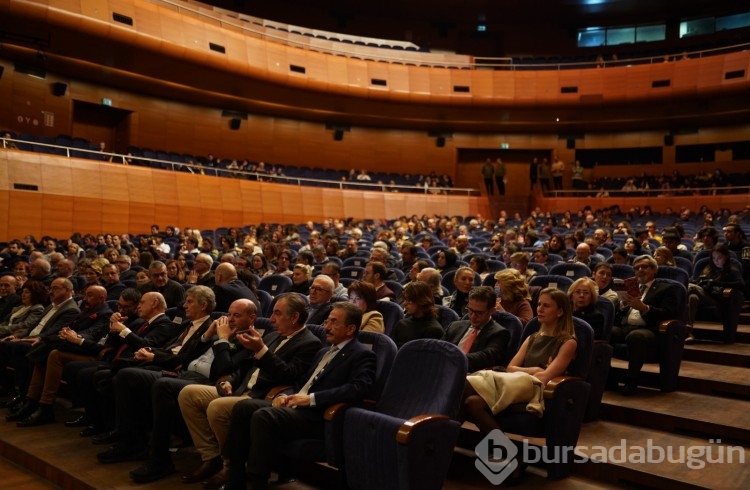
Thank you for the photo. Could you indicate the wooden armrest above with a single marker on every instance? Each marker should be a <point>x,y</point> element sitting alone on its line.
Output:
<point>551,387</point>
<point>404,432</point>
<point>273,392</point>
<point>102,353</point>
<point>726,292</point>
<point>601,341</point>
<point>333,411</point>
<point>663,326</point>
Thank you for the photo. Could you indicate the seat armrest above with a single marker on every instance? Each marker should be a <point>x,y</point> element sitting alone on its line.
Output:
<point>664,326</point>
<point>102,353</point>
<point>551,387</point>
<point>411,425</point>
<point>334,410</point>
<point>274,392</point>
<point>726,292</point>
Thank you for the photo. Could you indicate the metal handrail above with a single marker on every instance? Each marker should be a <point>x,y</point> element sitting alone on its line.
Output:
<point>224,172</point>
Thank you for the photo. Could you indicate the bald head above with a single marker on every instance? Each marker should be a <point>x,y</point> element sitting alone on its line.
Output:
<point>224,273</point>
<point>95,296</point>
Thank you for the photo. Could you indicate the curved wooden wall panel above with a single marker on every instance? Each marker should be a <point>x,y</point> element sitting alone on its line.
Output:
<point>81,195</point>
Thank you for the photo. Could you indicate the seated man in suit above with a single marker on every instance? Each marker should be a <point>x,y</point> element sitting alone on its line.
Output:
<point>201,273</point>
<point>229,288</point>
<point>132,385</point>
<point>483,340</point>
<point>321,292</point>
<point>278,358</point>
<point>112,283</point>
<point>91,324</point>
<point>341,373</point>
<point>225,355</point>
<point>375,273</point>
<point>9,298</point>
<point>171,290</point>
<point>640,315</point>
<point>58,314</point>
<point>139,323</point>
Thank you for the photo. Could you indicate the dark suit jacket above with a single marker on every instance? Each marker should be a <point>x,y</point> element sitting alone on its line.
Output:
<point>7,304</point>
<point>173,292</point>
<point>227,293</point>
<point>283,367</point>
<point>68,310</point>
<point>207,280</point>
<point>90,324</point>
<point>114,290</point>
<point>663,300</point>
<point>192,349</point>
<point>156,334</point>
<point>488,349</point>
<point>320,315</point>
<point>348,377</point>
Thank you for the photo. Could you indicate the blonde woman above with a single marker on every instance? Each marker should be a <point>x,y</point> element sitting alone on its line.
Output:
<point>513,295</point>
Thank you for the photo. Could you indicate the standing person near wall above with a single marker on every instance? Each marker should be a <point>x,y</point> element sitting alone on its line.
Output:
<point>557,169</point>
<point>500,172</point>
<point>487,172</point>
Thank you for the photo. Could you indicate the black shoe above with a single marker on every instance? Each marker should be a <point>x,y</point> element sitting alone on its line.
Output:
<point>41,416</point>
<point>90,430</point>
<point>152,470</point>
<point>81,421</point>
<point>123,452</point>
<point>110,437</point>
<point>28,407</point>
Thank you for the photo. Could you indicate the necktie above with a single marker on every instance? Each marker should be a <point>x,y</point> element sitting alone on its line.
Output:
<point>473,332</point>
<point>254,378</point>
<point>643,289</point>
<point>318,369</point>
<point>125,346</point>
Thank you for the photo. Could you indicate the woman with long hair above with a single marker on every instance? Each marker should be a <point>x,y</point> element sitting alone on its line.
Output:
<point>420,321</point>
<point>513,295</point>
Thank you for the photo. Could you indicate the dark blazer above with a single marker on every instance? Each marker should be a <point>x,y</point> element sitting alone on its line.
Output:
<point>593,317</point>
<point>114,290</point>
<point>320,315</point>
<point>283,367</point>
<point>347,378</point>
<point>67,312</point>
<point>663,300</point>
<point>90,324</point>
<point>227,293</point>
<point>193,349</point>
<point>488,349</point>
<point>7,304</point>
<point>207,280</point>
<point>173,292</point>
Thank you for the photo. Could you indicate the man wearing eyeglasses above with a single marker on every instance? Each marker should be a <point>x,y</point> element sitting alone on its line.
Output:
<point>321,292</point>
<point>483,340</point>
<point>172,291</point>
<point>639,317</point>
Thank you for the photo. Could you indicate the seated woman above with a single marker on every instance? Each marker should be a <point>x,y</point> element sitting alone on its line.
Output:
<point>544,355</point>
<point>301,279</point>
<point>718,274</point>
<point>34,295</point>
<point>174,272</point>
<point>420,321</point>
<point>259,265</point>
<point>633,247</point>
<point>364,296</point>
<point>664,256</point>
<point>513,295</point>
<point>520,262</point>
<point>446,261</point>
<point>584,294</point>
<point>620,256</point>
<point>479,265</point>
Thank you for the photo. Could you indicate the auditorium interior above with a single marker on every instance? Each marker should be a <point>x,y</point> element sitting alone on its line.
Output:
<point>218,114</point>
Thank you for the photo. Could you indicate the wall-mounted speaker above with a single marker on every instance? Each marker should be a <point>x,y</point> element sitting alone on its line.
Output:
<point>338,135</point>
<point>570,143</point>
<point>668,140</point>
<point>59,89</point>
<point>234,124</point>
<point>440,141</point>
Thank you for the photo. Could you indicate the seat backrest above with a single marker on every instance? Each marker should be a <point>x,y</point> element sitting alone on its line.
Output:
<point>427,377</point>
<point>495,266</point>
<point>395,286</point>
<point>275,284</point>
<point>570,269</point>
<point>385,351</point>
<point>319,331</point>
<point>681,296</point>
<point>392,314</point>
<point>622,271</point>
<point>265,302</point>
<point>351,271</point>
<point>552,281</point>
<point>446,316</point>
<point>685,264</point>
<point>585,341</point>
<point>355,262</point>
<point>515,327</point>
<point>674,273</point>
<point>539,268</point>
<point>607,309</point>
